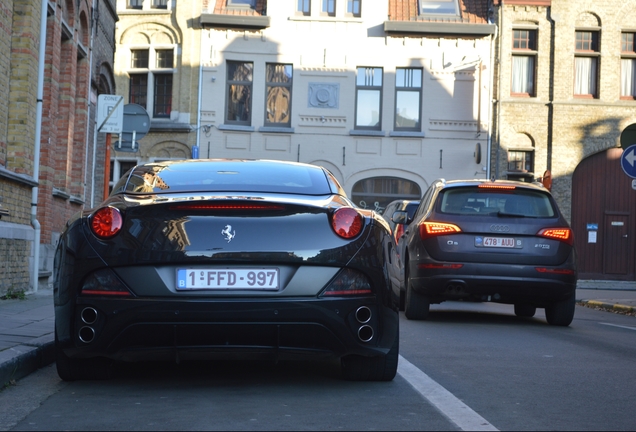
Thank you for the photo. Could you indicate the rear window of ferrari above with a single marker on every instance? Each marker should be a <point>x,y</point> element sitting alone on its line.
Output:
<point>234,176</point>
<point>478,201</point>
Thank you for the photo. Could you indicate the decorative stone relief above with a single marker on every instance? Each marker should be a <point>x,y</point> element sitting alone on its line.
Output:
<point>323,95</point>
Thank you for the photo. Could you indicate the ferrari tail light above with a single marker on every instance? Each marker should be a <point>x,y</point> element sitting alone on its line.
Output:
<point>105,283</point>
<point>399,230</point>
<point>106,222</point>
<point>562,234</point>
<point>346,222</point>
<point>432,229</point>
<point>348,282</point>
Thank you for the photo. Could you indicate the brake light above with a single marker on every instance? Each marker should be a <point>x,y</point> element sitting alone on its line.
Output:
<point>226,206</point>
<point>106,222</point>
<point>348,282</point>
<point>346,222</point>
<point>495,186</point>
<point>562,234</point>
<point>432,229</point>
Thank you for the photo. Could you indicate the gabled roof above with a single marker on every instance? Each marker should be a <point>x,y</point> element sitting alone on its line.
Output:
<point>405,17</point>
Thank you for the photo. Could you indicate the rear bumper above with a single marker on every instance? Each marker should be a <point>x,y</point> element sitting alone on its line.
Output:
<point>493,282</point>
<point>141,329</point>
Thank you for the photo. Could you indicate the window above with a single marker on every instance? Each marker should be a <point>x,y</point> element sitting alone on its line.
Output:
<point>329,7</point>
<point>304,7</point>
<point>408,99</point>
<point>239,93</point>
<point>377,192</point>
<point>368,98</point>
<point>151,86</point>
<point>242,3</point>
<point>160,4</point>
<point>278,94</point>
<point>439,7</point>
<point>586,64</point>
<point>628,66</point>
<point>353,7</point>
<point>520,160</point>
<point>117,169</point>
<point>524,54</point>
<point>134,4</point>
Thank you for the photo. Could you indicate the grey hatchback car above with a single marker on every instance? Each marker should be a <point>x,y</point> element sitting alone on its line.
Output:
<point>501,241</point>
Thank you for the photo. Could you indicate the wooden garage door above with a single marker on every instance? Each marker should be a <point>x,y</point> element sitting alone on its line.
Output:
<point>603,205</point>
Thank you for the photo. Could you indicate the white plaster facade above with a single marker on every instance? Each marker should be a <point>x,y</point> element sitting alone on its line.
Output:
<point>325,53</point>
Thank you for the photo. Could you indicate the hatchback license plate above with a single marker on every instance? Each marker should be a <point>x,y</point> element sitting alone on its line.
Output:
<point>228,279</point>
<point>497,242</point>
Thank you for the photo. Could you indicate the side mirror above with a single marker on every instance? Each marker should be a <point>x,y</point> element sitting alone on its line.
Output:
<point>400,217</point>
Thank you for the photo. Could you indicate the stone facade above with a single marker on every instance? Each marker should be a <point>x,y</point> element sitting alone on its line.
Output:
<point>559,127</point>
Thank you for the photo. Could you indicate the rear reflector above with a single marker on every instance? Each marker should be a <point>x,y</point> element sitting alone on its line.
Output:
<point>562,234</point>
<point>104,283</point>
<point>440,266</point>
<point>349,282</point>
<point>554,270</point>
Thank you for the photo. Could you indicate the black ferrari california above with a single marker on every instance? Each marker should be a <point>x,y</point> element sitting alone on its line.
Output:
<point>225,259</point>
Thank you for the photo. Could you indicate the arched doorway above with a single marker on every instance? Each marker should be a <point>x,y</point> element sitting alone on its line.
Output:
<point>376,192</point>
<point>603,217</point>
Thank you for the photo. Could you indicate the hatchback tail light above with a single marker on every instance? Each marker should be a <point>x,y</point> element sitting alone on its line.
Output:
<point>346,222</point>
<point>562,234</point>
<point>106,222</point>
<point>432,229</point>
<point>348,282</point>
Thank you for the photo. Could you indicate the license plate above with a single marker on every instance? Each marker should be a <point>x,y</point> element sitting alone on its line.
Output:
<point>228,279</point>
<point>498,242</point>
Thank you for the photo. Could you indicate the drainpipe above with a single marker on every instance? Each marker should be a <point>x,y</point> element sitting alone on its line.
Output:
<point>493,63</point>
<point>36,151</point>
<point>94,19</point>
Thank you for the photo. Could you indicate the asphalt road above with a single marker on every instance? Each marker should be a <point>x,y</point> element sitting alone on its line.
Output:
<point>471,366</point>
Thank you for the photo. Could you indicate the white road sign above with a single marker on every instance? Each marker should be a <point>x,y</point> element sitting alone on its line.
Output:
<point>110,113</point>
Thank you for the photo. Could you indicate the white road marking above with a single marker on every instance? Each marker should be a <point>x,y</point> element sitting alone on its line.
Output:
<point>616,325</point>
<point>452,408</point>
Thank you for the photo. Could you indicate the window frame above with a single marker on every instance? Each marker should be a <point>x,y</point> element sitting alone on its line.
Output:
<point>148,66</point>
<point>134,4</point>
<point>593,52</point>
<point>527,160</point>
<point>408,89</point>
<point>378,88</point>
<point>423,11</point>
<point>273,84</point>
<point>229,83</point>
<point>328,8</point>
<point>351,4</point>
<point>303,7</point>
<point>530,52</point>
<point>628,55</point>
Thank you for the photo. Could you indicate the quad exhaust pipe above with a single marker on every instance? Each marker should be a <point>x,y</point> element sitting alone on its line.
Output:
<point>363,316</point>
<point>87,333</point>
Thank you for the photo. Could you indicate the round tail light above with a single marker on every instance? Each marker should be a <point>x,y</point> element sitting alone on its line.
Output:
<point>346,222</point>
<point>106,222</point>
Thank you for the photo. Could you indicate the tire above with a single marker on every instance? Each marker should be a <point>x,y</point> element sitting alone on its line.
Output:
<point>417,305</point>
<point>75,369</point>
<point>561,313</point>
<point>525,310</point>
<point>379,368</point>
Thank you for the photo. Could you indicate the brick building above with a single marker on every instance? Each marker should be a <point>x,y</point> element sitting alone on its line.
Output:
<point>565,93</point>
<point>75,33</point>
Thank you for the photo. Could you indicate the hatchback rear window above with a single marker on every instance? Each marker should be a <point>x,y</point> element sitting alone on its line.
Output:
<point>237,176</point>
<point>475,201</point>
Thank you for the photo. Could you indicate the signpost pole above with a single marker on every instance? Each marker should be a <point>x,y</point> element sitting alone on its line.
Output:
<point>107,165</point>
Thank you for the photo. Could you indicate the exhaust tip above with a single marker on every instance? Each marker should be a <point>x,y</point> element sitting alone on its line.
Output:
<point>86,334</point>
<point>363,314</point>
<point>365,333</point>
<point>89,315</point>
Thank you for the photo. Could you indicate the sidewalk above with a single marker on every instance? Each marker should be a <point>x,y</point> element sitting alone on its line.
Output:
<point>27,338</point>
